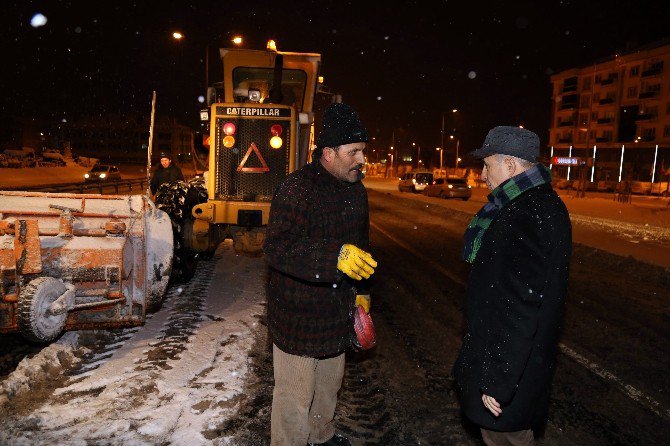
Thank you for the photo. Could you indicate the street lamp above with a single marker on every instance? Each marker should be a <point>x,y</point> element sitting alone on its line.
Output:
<point>237,40</point>
<point>453,110</point>
<point>458,141</point>
<point>441,151</point>
<point>418,155</point>
<point>177,35</point>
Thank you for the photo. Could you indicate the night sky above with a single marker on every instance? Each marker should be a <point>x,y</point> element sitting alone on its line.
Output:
<point>400,64</point>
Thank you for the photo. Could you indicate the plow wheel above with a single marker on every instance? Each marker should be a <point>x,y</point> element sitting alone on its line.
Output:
<point>177,199</point>
<point>35,321</point>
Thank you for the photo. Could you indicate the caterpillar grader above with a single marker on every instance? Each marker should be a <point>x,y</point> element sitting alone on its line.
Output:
<point>81,261</point>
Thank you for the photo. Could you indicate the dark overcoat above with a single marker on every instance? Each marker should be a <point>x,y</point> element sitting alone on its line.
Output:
<point>310,302</point>
<point>514,307</point>
<point>167,174</point>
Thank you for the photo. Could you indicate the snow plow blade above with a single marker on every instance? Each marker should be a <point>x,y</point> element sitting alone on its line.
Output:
<point>80,261</point>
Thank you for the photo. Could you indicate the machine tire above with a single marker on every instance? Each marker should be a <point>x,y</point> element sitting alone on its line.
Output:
<point>34,300</point>
<point>177,199</point>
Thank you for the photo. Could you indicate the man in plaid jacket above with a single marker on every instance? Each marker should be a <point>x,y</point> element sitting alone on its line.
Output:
<point>316,247</point>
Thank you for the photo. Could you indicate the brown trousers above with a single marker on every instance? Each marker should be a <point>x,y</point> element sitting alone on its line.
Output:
<point>304,398</point>
<point>518,438</point>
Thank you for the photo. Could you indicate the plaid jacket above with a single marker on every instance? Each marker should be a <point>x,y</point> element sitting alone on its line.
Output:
<point>310,301</point>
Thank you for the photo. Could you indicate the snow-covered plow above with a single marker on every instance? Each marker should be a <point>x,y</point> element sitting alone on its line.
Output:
<point>75,261</point>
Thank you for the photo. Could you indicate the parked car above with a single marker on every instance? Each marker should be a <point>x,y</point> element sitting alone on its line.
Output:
<point>415,181</point>
<point>640,187</point>
<point>606,186</point>
<point>449,188</point>
<point>53,159</point>
<point>23,157</point>
<point>103,172</point>
<point>563,184</point>
<point>662,188</point>
<point>590,185</point>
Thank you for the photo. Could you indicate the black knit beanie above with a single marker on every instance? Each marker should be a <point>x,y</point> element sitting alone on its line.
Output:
<point>341,125</point>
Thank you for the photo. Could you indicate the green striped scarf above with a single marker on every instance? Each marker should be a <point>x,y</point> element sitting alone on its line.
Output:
<point>500,197</point>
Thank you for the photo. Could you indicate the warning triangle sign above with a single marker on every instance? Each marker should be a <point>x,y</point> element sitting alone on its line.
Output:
<point>264,167</point>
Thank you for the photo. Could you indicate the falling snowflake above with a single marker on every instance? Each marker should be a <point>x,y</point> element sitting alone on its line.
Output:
<point>77,30</point>
<point>201,99</point>
<point>379,98</point>
<point>517,57</point>
<point>38,20</point>
<point>472,75</point>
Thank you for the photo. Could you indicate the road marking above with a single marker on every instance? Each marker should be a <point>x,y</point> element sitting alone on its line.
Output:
<point>630,391</point>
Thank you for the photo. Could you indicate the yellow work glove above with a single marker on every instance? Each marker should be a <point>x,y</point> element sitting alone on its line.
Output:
<point>355,263</point>
<point>364,301</point>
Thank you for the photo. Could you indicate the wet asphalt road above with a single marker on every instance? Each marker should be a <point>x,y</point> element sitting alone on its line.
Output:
<point>611,385</point>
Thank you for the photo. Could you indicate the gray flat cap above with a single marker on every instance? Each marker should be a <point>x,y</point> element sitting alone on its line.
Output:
<point>509,140</point>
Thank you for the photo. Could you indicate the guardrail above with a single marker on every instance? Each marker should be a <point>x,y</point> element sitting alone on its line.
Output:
<point>101,187</point>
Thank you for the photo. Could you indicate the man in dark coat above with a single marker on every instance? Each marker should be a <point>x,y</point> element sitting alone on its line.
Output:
<point>519,245</point>
<point>316,247</point>
<point>165,173</point>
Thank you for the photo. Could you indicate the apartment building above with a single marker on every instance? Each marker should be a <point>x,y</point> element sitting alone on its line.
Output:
<point>617,111</point>
<point>126,137</point>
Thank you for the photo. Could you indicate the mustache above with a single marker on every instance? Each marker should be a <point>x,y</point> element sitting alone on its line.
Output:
<point>357,167</point>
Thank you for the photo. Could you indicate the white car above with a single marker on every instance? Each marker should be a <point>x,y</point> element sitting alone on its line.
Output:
<point>415,181</point>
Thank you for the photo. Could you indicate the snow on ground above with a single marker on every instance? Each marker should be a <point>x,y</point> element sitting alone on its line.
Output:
<point>29,176</point>
<point>168,383</point>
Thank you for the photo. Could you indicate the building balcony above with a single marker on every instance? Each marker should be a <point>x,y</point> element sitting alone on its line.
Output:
<point>566,124</point>
<point>604,120</point>
<point>608,81</point>
<point>606,101</point>
<point>569,88</point>
<point>567,105</point>
<point>648,94</point>
<point>564,140</point>
<point>603,139</point>
<point>652,72</point>
<point>647,138</point>
<point>645,117</point>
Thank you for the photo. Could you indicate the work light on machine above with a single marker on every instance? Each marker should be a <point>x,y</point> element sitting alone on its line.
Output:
<point>276,142</point>
<point>254,95</point>
<point>229,128</point>
<point>276,130</point>
<point>228,142</point>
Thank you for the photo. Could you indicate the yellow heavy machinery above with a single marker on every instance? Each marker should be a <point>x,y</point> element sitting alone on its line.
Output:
<point>260,129</point>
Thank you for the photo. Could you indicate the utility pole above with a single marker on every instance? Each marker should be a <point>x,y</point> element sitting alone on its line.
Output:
<point>442,137</point>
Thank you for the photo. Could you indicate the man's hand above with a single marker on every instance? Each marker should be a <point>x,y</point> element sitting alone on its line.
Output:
<point>355,263</point>
<point>492,405</point>
<point>364,301</point>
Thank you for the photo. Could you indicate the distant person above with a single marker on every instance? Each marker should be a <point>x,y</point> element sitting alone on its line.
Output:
<point>165,173</point>
<point>316,247</point>
<point>519,245</point>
